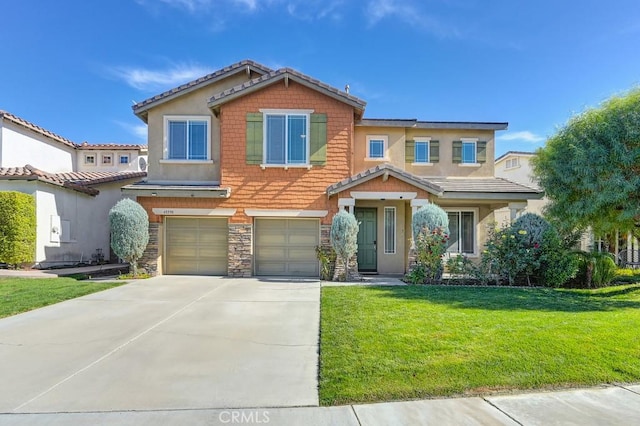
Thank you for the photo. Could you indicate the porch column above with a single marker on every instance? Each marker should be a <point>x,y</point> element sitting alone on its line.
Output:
<point>416,204</point>
<point>515,209</point>
<point>349,203</point>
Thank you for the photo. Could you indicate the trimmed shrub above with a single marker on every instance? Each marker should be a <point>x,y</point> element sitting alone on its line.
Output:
<point>129,224</point>
<point>534,225</point>
<point>344,238</point>
<point>429,218</point>
<point>17,228</point>
<point>430,226</point>
<point>557,263</point>
<point>595,269</point>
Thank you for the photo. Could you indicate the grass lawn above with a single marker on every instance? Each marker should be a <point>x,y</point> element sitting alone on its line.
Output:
<point>392,343</point>
<point>24,294</point>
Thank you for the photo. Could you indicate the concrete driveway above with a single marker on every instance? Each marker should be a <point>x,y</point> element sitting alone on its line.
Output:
<point>166,343</point>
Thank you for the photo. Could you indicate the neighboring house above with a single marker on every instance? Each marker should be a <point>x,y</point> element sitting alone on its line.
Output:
<point>515,166</point>
<point>111,157</point>
<point>248,165</point>
<point>71,206</point>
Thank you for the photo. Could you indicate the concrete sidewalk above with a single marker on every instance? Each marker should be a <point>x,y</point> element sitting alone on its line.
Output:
<point>610,405</point>
<point>108,268</point>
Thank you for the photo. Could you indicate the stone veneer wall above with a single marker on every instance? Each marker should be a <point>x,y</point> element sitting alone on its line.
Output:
<point>240,257</point>
<point>149,259</point>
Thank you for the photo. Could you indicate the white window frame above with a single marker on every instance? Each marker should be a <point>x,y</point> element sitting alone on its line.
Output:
<point>385,148</point>
<point>187,118</point>
<point>286,113</point>
<point>103,162</point>
<point>473,141</point>
<point>90,163</point>
<point>121,156</point>
<point>512,163</point>
<point>395,230</point>
<point>476,234</point>
<point>416,141</point>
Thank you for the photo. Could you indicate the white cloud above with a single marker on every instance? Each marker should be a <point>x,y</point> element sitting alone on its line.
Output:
<point>524,135</point>
<point>139,131</point>
<point>406,12</point>
<point>152,80</point>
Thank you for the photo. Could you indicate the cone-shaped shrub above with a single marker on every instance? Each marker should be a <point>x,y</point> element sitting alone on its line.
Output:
<point>129,224</point>
<point>429,217</point>
<point>344,237</point>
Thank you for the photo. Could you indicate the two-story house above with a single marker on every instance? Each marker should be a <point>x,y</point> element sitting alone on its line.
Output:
<point>248,165</point>
<point>111,157</point>
<point>72,202</point>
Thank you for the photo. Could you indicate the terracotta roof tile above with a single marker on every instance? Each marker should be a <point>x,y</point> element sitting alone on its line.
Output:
<point>111,146</point>
<point>27,124</point>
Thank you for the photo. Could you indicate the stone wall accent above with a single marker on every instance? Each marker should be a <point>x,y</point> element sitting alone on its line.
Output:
<point>240,256</point>
<point>149,259</point>
<point>354,275</point>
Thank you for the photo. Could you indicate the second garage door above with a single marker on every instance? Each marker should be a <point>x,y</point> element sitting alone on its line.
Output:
<point>287,247</point>
<point>196,246</point>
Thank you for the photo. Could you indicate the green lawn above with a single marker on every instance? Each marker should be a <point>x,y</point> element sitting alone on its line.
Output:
<point>392,343</point>
<point>24,294</point>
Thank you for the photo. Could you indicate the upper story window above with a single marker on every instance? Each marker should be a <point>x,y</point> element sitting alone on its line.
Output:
<point>422,151</point>
<point>377,147</point>
<point>470,151</point>
<point>90,159</point>
<point>107,159</point>
<point>512,163</point>
<point>187,138</point>
<point>286,138</point>
<point>124,159</point>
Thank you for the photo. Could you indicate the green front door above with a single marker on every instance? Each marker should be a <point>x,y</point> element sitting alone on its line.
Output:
<point>367,240</point>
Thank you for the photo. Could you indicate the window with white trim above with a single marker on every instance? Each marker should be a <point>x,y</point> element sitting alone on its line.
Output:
<point>107,159</point>
<point>468,151</point>
<point>123,159</point>
<point>187,138</point>
<point>389,230</point>
<point>90,159</point>
<point>377,147</point>
<point>286,138</point>
<point>462,231</point>
<point>421,150</point>
<point>512,163</point>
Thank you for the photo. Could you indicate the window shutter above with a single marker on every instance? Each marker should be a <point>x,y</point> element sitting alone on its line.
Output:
<point>409,151</point>
<point>481,152</point>
<point>434,151</point>
<point>254,138</point>
<point>457,151</point>
<point>318,142</point>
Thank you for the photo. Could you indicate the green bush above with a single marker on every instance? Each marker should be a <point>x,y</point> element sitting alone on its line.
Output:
<point>129,224</point>
<point>344,237</point>
<point>534,225</point>
<point>557,264</point>
<point>595,269</point>
<point>429,218</point>
<point>17,228</point>
<point>430,226</point>
<point>327,258</point>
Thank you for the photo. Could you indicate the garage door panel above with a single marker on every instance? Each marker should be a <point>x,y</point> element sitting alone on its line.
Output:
<point>196,246</point>
<point>286,247</point>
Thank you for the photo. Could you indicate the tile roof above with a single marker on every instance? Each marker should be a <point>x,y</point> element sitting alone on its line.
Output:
<point>442,186</point>
<point>27,124</point>
<point>77,181</point>
<point>418,124</point>
<point>284,74</point>
<point>111,146</point>
<point>140,107</point>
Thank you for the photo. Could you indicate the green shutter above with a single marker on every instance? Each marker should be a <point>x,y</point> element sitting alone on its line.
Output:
<point>457,151</point>
<point>481,152</point>
<point>434,151</point>
<point>409,151</point>
<point>318,142</point>
<point>254,138</point>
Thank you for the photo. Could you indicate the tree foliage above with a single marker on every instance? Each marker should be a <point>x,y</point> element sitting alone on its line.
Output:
<point>344,237</point>
<point>590,169</point>
<point>129,225</point>
<point>17,228</point>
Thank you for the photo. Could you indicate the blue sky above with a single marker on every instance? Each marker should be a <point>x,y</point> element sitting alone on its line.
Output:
<point>74,67</point>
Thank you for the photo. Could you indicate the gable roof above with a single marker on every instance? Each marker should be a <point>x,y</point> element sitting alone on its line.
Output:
<point>417,124</point>
<point>442,187</point>
<point>33,127</point>
<point>76,181</point>
<point>111,146</point>
<point>509,153</point>
<point>246,65</point>
<point>285,74</point>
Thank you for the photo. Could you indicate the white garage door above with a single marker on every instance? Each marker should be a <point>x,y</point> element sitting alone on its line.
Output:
<point>287,247</point>
<point>196,246</point>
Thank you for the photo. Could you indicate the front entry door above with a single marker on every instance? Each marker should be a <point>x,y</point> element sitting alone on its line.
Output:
<point>367,239</point>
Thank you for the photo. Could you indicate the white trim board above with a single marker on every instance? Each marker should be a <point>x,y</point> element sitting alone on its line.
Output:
<point>285,213</point>
<point>168,211</point>
<point>366,195</point>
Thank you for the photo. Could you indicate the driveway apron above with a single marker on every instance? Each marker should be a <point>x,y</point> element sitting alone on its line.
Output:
<point>166,343</point>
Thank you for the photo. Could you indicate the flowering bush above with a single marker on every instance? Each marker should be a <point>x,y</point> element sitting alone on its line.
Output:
<point>511,253</point>
<point>430,248</point>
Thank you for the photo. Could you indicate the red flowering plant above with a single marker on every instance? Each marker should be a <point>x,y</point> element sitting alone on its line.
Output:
<point>431,245</point>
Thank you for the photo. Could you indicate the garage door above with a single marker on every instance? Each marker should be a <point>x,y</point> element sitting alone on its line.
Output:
<point>196,246</point>
<point>287,247</point>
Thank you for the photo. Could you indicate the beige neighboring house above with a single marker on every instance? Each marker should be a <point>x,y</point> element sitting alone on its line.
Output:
<point>72,202</point>
<point>111,157</point>
<point>516,167</point>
